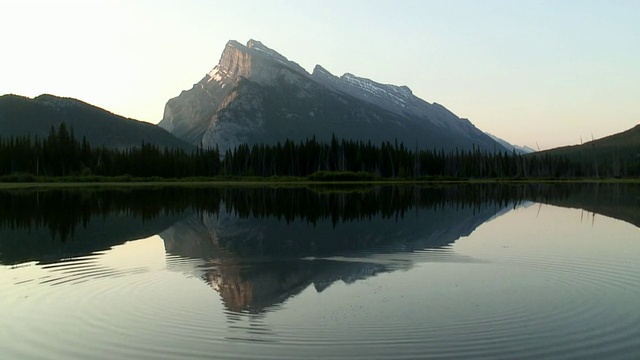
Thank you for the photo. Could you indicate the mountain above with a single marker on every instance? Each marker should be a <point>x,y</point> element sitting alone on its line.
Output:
<point>510,147</point>
<point>626,141</point>
<point>24,116</point>
<point>255,95</point>
<point>619,152</point>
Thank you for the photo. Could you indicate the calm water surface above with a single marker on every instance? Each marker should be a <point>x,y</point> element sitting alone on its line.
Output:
<point>527,271</point>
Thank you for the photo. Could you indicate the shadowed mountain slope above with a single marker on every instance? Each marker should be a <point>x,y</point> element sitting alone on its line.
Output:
<point>616,155</point>
<point>21,116</point>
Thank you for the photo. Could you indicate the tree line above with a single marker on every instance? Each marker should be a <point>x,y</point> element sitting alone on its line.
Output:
<point>61,153</point>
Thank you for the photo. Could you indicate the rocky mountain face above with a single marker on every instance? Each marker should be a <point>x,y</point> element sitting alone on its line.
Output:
<point>20,116</point>
<point>255,95</point>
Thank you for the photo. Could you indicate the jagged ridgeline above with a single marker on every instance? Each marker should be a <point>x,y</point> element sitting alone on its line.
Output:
<point>254,95</point>
<point>33,227</point>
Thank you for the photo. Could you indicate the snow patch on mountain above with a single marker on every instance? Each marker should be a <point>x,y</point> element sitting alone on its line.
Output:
<point>399,94</point>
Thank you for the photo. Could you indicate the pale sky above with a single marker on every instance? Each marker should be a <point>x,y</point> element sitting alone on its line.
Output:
<point>536,73</point>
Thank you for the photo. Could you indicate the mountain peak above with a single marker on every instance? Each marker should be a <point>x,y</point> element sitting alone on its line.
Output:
<point>319,70</point>
<point>261,48</point>
<point>256,44</point>
<point>255,62</point>
<point>256,95</point>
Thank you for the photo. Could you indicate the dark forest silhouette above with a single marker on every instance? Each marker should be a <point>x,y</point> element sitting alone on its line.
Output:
<point>62,154</point>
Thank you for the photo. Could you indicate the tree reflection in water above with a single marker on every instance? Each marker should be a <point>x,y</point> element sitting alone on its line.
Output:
<point>264,244</point>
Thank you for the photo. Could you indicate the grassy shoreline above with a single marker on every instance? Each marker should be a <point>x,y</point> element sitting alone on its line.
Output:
<point>280,181</point>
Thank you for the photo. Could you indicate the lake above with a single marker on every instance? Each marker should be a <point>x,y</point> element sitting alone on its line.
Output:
<point>486,271</point>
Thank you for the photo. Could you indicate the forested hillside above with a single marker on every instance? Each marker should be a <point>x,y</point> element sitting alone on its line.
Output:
<point>21,116</point>
<point>617,155</point>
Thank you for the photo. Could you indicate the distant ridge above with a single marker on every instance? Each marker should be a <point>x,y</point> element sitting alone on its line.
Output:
<point>21,116</point>
<point>626,141</point>
<point>510,147</point>
<point>621,150</point>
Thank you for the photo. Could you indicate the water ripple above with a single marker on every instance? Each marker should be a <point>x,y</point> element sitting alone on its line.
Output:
<point>573,308</point>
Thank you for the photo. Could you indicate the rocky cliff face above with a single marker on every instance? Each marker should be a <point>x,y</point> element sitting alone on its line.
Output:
<point>255,95</point>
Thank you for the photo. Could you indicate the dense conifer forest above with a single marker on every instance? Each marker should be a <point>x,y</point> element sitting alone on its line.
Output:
<point>62,154</point>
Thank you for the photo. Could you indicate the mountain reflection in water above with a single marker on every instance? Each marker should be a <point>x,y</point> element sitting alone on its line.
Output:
<point>256,262</point>
<point>261,246</point>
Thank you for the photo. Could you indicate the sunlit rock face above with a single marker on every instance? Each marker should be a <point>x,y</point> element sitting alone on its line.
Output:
<point>255,95</point>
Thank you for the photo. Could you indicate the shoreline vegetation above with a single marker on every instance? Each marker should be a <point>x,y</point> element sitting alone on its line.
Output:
<point>61,158</point>
<point>321,178</point>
